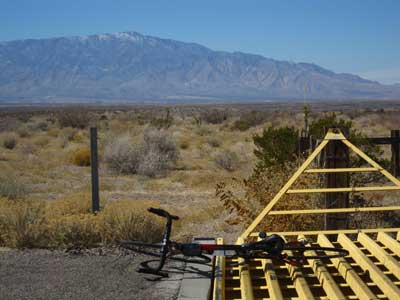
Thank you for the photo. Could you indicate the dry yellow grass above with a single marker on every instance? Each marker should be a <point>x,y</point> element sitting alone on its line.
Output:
<point>69,223</point>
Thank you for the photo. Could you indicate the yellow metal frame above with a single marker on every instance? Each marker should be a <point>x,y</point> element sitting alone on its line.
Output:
<point>376,252</point>
<point>331,135</point>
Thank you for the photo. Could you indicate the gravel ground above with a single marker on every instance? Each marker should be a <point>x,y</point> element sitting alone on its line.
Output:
<point>95,274</point>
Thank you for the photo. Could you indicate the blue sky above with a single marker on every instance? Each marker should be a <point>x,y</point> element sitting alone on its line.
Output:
<point>360,37</point>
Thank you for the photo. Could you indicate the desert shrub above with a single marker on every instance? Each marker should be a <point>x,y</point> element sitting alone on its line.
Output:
<point>249,119</point>
<point>122,155</point>
<point>23,131</point>
<point>9,124</point>
<point>67,135</point>
<point>11,186</point>
<point>24,117</point>
<point>160,153</point>
<point>184,144</point>
<point>246,198</point>
<point>81,157</point>
<point>73,118</point>
<point>28,148</point>
<point>215,116</point>
<point>163,121</point>
<point>43,126</point>
<point>41,141</point>
<point>38,126</point>
<point>53,132</point>
<point>9,141</point>
<point>275,146</point>
<point>153,156</point>
<point>203,130</point>
<point>213,141</point>
<point>227,160</point>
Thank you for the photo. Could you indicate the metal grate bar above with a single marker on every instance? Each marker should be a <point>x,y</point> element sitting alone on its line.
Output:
<point>389,242</point>
<point>328,283</point>
<point>383,282</point>
<point>272,280</point>
<point>348,273</point>
<point>300,284</point>
<point>388,261</point>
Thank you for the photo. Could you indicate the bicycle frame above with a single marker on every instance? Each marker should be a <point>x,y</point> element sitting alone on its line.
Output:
<point>268,247</point>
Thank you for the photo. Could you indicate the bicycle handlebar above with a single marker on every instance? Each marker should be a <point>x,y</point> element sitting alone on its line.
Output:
<point>162,213</point>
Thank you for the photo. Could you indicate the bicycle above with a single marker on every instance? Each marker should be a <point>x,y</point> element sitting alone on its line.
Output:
<point>267,247</point>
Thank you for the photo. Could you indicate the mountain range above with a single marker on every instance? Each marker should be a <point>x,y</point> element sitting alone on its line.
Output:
<point>129,66</point>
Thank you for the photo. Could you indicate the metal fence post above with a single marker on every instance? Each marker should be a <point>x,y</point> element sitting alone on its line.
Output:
<point>395,153</point>
<point>95,170</point>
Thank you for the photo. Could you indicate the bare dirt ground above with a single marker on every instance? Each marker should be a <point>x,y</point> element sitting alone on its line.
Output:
<point>44,274</point>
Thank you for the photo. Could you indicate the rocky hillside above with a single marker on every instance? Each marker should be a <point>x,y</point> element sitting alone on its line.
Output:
<point>131,66</point>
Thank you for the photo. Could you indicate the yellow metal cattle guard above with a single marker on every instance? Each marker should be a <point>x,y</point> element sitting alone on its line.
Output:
<point>371,271</point>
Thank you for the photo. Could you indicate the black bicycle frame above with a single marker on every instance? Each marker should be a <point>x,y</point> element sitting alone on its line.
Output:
<point>165,242</point>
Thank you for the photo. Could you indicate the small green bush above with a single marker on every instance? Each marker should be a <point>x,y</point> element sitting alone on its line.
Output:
<point>275,146</point>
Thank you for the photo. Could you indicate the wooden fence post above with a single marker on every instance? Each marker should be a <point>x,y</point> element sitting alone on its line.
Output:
<point>336,156</point>
<point>95,170</point>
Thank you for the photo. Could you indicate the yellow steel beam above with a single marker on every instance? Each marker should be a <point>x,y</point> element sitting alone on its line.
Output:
<point>345,189</point>
<point>372,162</point>
<point>389,242</point>
<point>284,189</point>
<point>332,210</point>
<point>332,135</point>
<point>387,260</point>
<point>300,283</point>
<point>346,231</point>
<point>329,285</point>
<point>383,282</point>
<point>246,287</point>
<point>348,273</point>
<point>219,275</point>
<point>341,170</point>
<point>273,287</point>
<point>398,236</point>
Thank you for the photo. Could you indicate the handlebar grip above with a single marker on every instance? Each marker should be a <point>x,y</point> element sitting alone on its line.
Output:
<point>162,213</point>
